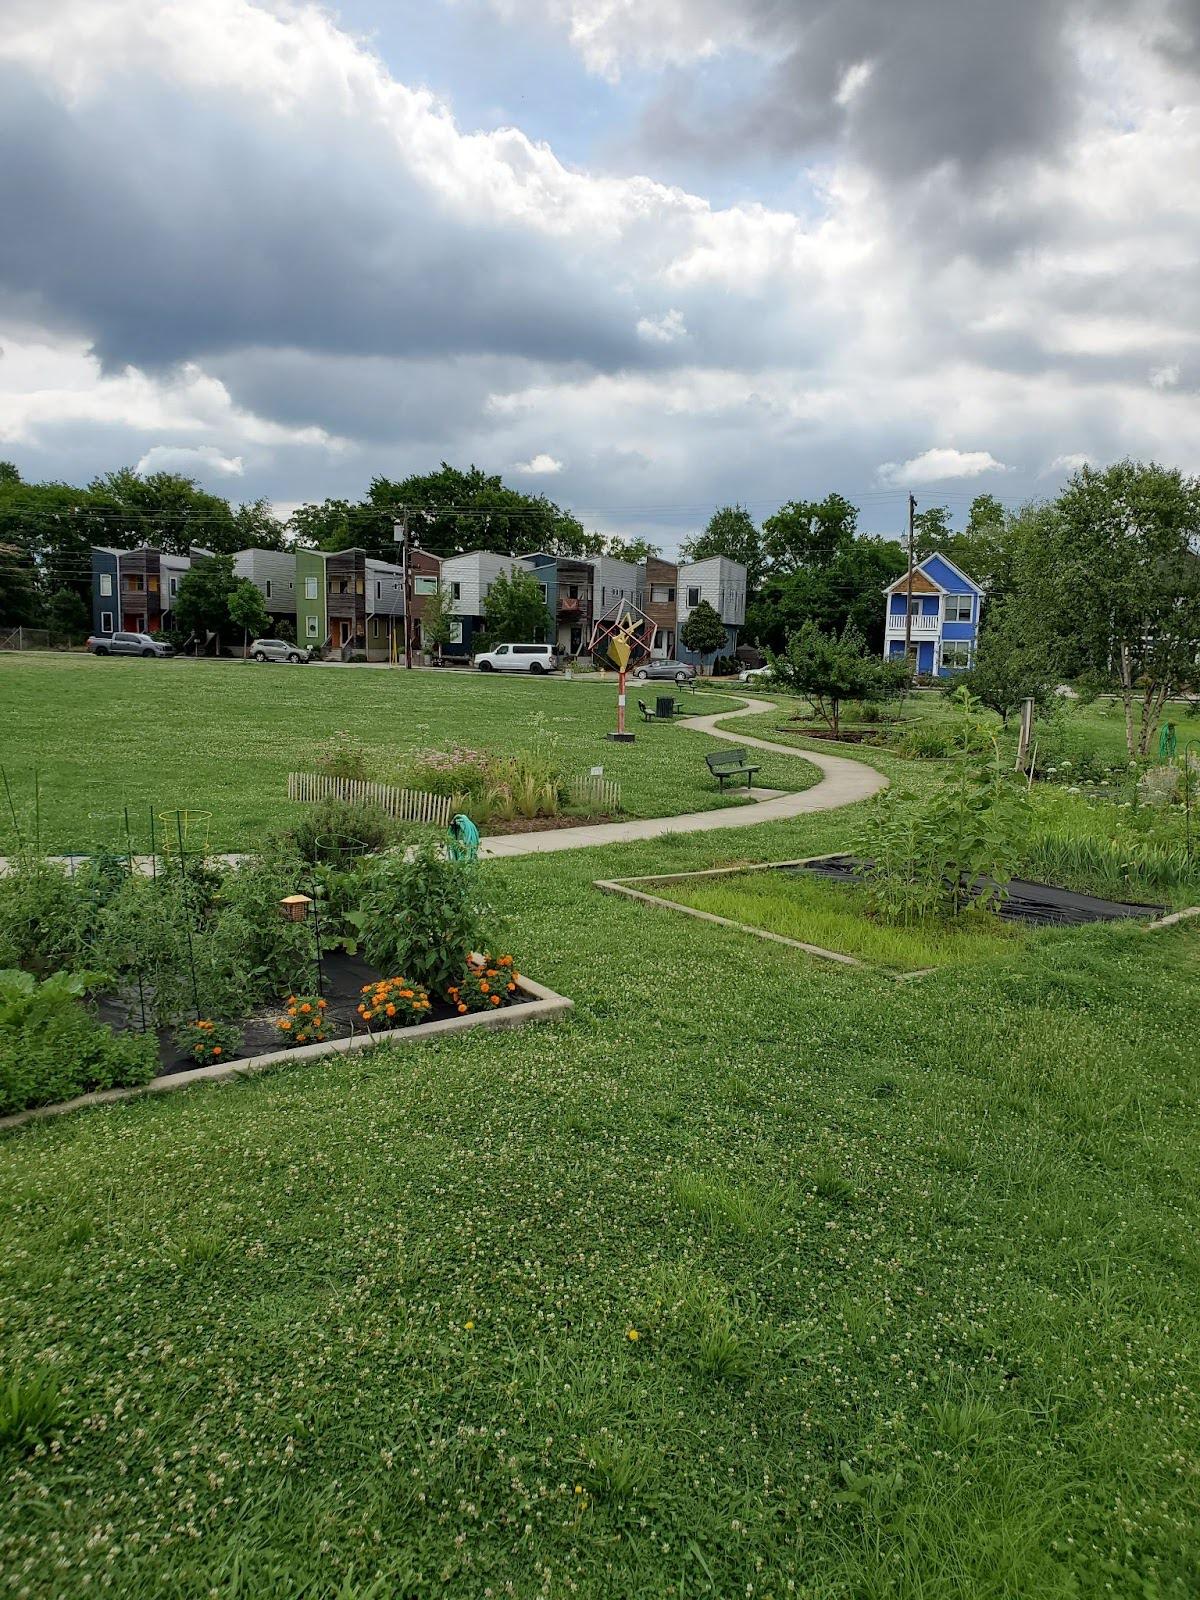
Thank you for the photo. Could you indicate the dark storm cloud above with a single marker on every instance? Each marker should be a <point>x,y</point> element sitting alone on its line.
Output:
<point>170,229</point>
<point>969,83</point>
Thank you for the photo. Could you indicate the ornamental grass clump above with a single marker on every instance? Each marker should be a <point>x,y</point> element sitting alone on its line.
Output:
<point>394,1003</point>
<point>304,1021</point>
<point>487,983</point>
<point>208,1043</point>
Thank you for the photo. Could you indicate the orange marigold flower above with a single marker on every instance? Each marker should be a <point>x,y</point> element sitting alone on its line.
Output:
<point>511,987</point>
<point>306,1008</point>
<point>495,999</point>
<point>483,987</point>
<point>391,1010</point>
<point>216,1049</point>
<point>321,1004</point>
<point>285,1024</point>
<point>461,1007</point>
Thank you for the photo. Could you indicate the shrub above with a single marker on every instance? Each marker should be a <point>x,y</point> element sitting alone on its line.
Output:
<point>487,983</point>
<point>726,667</point>
<point>52,1049</point>
<point>304,1021</point>
<point>346,757</point>
<point>925,856</point>
<point>339,830</point>
<point>208,1043</point>
<point>43,913</point>
<point>419,916</point>
<point>394,1003</point>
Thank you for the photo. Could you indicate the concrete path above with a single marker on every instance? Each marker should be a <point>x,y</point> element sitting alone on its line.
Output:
<point>843,782</point>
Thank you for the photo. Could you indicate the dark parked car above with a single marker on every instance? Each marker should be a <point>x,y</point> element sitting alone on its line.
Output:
<point>678,671</point>
<point>128,644</point>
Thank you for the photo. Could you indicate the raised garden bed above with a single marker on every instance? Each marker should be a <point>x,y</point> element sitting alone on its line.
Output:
<point>261,1047</point>
<point>815,906</point>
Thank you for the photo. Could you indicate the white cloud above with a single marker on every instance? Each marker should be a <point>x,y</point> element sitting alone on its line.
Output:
<point>191,460</point>
<point>1164,377</point>
<point>937,465</point>
<point>1066,464</point>
<point>662,330</point>
<point>48,381</point>
<point>539,466</point>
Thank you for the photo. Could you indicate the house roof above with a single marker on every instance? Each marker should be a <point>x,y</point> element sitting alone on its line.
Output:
<point>924,584</point>
<point>921,584</point>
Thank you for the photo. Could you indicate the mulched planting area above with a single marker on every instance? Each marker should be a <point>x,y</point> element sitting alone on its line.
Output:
<point>343,977</point>
<point>1022,902</point>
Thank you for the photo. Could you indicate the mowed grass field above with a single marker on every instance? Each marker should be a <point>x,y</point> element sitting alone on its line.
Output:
<point>754,1277</point>
<point>222,736</point>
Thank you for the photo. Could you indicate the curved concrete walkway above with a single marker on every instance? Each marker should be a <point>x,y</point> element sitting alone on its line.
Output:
<point>843,782</point>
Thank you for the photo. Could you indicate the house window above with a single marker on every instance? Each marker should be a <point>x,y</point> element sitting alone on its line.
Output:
<point>542,587</point>
<point>661,594</point>
<point>268,588</point>
<point>572,591</point>
<point>375,624</point>
<point>310,627</point>
<point>106,583</point>
<point>425,586</point>
<point>378,590</point>
<point>956,654</point>
<point>693,597</point>
<point>456,594</point>
<point>958,608</point>
<point>914,607</point>
<point>456,630</point>
<point>106,622</point>
<point>310,588</point>
<point>175,587</point>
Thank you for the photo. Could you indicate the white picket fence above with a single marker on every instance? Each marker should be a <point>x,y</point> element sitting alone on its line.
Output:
<point>599,795</point>
<point>406,805</point>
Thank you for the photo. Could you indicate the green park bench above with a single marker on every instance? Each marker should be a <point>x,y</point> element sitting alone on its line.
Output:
<point>647,714</point>
<point>729,766</point>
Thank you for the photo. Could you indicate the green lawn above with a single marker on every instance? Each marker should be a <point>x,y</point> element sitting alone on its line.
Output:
<point>222,736</point>
<point>912,1268</point>
<point>913,1271</point>
<point>833,916</point>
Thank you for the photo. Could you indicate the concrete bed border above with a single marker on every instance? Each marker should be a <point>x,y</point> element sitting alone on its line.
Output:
<point>623,886</point>
<point>544,1006</point>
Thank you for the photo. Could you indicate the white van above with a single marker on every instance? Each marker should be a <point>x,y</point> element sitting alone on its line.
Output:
<point>518,658</point>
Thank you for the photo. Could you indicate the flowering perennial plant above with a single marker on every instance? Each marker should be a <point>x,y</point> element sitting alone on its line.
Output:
<point>208,1042</point>
<point>394,1003</point>
<point>305,1022</point>
<point>487,983</point>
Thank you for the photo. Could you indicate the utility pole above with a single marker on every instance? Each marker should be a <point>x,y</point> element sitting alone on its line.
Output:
<point>912,538</point>
<point>400,534</point>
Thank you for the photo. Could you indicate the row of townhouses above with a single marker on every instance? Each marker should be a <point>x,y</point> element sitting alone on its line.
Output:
<point>578,592</point>
<point>347,602</point>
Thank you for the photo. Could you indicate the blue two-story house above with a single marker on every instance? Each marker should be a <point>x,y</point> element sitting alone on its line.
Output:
<point>945,606</point>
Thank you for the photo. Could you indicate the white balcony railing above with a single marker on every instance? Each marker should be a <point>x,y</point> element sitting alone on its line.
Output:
<point>922,627</point>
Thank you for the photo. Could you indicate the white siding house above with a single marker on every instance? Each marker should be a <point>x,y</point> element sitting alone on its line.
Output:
<point>466,580</point>
<point>723,584</point>
<point>273,574</point>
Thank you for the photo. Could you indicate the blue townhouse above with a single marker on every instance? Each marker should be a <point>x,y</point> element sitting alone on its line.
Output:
<point>945,606</point>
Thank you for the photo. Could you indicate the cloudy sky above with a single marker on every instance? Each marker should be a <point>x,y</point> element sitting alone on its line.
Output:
<point>645,255</point>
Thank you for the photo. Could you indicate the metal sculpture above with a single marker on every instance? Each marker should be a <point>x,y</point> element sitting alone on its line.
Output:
<point>623,635</point>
